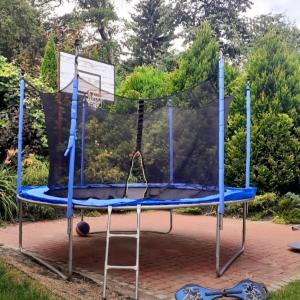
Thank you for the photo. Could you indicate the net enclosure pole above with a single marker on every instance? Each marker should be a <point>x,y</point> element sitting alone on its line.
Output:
<point>171,149</point>
<point>83,117</point>
<point>221,270</point>
<point>19,170</point>
<point>71,153</point>
<point>220,211</point>
<point>20,135</point>
<point>221,134</point>
<point>248,132</point>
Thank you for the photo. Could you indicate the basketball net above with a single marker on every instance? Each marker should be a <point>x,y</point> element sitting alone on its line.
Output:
<point>94,99</point>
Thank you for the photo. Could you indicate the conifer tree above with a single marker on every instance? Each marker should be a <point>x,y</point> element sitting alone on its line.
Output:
<point>49,63</point>
<point>153,28</point>
<point>274,71</point>
<point>198,62</point>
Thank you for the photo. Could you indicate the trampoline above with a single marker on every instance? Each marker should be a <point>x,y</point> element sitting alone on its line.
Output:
<point>114,153</point>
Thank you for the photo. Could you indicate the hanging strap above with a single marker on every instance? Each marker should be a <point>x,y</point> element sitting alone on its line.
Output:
<point>140,124</point>
<point>137,152</point>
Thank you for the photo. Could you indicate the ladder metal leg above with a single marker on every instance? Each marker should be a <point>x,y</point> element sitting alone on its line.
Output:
<point>119,234</point>
<point>137,263</point>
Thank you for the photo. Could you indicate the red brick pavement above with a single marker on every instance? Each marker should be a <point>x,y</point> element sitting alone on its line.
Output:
<point>167,262</point>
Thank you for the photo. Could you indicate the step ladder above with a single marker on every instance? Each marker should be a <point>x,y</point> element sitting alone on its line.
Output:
<point>123,234</point>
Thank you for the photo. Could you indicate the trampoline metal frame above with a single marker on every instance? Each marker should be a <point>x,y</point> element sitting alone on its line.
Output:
<point>142,231</point>
<point>220,270</point>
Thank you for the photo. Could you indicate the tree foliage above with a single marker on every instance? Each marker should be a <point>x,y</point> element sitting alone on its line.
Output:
<point>33,130</point>
<point>225,17</point>
<point>43,3</point>
<point>152,30</point>
<point>279,23</point>
<point>100,15</point>
<point>9,82</point>
<point>275,73</point>
<point>49,64</point>
<point>21,34</point>
<point>197,63</point>
<point>144,83</point>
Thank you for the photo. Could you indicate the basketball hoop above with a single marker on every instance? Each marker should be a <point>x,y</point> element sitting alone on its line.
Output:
<point>94,99</point>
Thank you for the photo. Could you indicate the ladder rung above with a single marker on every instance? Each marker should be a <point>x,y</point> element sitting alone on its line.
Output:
<point>121,267</point>
<point>127,235</point>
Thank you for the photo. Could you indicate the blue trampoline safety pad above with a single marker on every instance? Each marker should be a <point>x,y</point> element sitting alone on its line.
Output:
<point>41,194</point>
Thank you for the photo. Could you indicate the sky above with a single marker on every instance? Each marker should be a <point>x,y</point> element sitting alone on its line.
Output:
<point>290,7</point>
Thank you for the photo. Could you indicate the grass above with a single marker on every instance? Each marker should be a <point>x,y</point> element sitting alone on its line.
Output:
<point>290,292</point>
<point>15,285</point>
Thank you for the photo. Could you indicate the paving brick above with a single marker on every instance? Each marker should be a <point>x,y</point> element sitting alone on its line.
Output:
<point>167,262</point>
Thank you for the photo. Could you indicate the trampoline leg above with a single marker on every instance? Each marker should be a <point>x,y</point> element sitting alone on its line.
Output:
<point>20,212</point>
<point>70,248</point>
<point>218,240</point>
<point>171,222</point>
<point>221,270</point>
<point>106,251</point>
<point>82,214</point>
<point>36,258</point>
<point>163,232</point>
<point>150,231</point>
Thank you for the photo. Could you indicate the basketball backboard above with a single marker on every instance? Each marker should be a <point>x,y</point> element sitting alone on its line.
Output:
<point>98,74</point>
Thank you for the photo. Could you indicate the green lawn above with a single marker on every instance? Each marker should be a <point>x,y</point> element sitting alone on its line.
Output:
<point>14,285</point>
<point>290,292</point>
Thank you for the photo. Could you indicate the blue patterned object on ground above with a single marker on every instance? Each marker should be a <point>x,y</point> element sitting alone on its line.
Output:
<point>244,290</point>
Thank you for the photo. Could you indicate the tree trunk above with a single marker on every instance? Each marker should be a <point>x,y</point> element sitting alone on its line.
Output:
<point>106,39</point>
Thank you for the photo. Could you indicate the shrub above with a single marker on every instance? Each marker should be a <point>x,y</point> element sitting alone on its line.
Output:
<point>34,135</point>
<point>7,193</point>
<point>35,171</point>
<point>289,208</point>
<point>263,206</point>
<point>39,212</point>
<point>281,209</point>
<point>284,209</point>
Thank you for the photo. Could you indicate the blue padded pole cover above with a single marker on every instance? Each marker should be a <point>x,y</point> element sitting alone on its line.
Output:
<point>82,141</point>
<point>221,133</point>
<point>72,138</point>
<point>71,148</point>
<point>248,130</point>
<point>171,149</point>
<point>20,136</point>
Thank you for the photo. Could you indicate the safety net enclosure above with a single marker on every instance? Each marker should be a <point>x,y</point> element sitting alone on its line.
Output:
<point>176,137</point>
